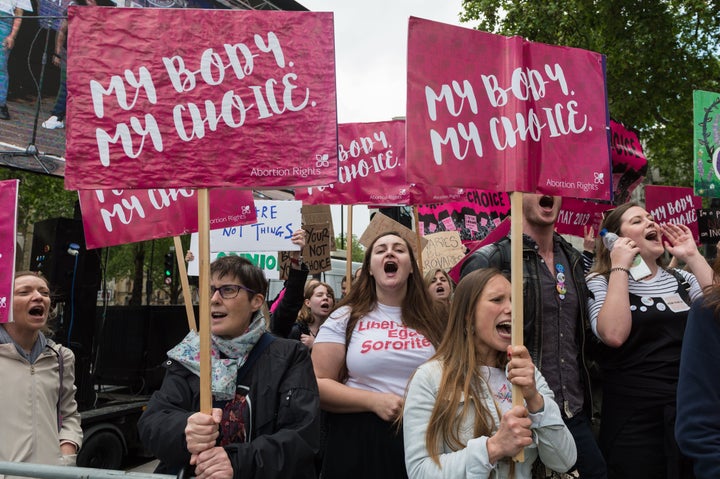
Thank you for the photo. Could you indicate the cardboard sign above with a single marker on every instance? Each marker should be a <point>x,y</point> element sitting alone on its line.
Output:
<point>576,215</point>
<point>152,103</point>
<point>319,215</point>
<point>316,253</point>
<point>382,224</point>
<point>505,114</point>
<point>113,217</point>
<point>473,216</point>
<point>706,144</point>
<point>443,251</point>
<point>8,239</point>
<point>674,204</point>
<point>709,226</point>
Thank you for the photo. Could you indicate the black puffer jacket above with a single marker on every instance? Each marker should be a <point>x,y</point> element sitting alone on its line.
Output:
<point>283,431</point>
<point>497,255</point>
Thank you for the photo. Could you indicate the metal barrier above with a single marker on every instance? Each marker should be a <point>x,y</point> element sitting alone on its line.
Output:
<point>44,471</point>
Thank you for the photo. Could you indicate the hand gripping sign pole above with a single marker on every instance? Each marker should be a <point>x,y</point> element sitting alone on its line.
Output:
<point>204,307</point>
<point>516,278</point>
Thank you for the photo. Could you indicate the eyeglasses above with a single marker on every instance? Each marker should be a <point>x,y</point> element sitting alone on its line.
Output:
<point>229,291</point>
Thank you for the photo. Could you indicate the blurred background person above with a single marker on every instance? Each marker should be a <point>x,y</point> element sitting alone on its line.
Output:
<point>319,302</point>
<point>439,285</point>
<point>11,12</point>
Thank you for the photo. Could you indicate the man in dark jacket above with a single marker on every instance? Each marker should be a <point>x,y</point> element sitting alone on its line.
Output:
<point>265,417</point>
<point>556,324</point>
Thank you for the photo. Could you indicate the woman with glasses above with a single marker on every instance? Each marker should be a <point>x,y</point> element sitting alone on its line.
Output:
<point>264,421</point>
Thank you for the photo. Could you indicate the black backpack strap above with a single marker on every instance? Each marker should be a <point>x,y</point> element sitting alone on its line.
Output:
<point>265,340</point>
<point>61,369</point>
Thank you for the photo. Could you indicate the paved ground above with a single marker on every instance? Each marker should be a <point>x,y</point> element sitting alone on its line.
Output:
<point>19,134</point>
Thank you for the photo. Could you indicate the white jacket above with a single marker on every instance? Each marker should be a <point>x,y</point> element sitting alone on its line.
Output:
<point>29,402</point>
<point>551,438</point>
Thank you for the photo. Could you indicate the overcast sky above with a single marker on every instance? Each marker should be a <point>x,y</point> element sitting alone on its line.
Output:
<point>371,59</point>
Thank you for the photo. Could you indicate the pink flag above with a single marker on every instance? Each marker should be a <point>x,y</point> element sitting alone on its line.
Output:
<point>371,167</point>
<point>193,98</point>
<point>113,217</point>
<point>674,204</point>
<point>505,114</point>
<point>8,235</point>
<point>629,164</point>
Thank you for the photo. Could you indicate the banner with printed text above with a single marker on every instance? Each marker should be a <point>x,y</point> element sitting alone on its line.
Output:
<point>674,204</point>
<point>629,164</point>
<point>709,225</point>
<point>272,230</point>
<point>8,239</point>
<point>371,167</point>
<point>577,215</point>
<point>706,143</point>
<point>113,217</point>
<point>222,98</point>
<point>473,217</point>
<point>505,114</point>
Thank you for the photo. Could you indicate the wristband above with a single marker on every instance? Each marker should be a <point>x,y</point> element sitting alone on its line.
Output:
<point>296,260</point>
<point>620,268</point>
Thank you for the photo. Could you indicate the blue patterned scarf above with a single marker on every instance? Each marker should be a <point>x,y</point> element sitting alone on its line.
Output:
<point>224,369</point>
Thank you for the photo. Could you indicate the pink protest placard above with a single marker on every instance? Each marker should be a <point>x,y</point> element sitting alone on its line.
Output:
<point>194,98</point>
<point>629,164</point>
<point>8,235</point>
<point>113,217</point>
<point>576,215</point>
<point>505,114</point>
<point>674,204</point>
<point>371,167</point>
<point>473,216</point>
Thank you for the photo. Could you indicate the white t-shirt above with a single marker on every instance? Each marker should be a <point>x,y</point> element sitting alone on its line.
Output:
<point>383,353</point>
<point>9,6</point>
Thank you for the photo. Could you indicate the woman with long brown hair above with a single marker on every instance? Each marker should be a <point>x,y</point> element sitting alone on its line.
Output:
<point>458,419</point>
<point>363,356</point>
<point>641,324</point>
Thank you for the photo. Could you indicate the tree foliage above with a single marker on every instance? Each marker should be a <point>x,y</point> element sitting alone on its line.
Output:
<point>358,250</point>
<point>658,52</point>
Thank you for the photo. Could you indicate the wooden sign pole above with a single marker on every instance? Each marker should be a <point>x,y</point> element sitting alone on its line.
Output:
<point>516,277</point>
<point>348,249</point>
<point>419,240</point>
<point>187,293</point>
<point>204,307</point>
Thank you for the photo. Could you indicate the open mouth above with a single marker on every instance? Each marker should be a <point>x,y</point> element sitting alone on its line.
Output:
<point>37,311</point>
<point>325,306</point>
<point>391,267</point>
<point>652,235</point>
<point>217,315</point>
<point>547,201</point>
<point>504,329</point>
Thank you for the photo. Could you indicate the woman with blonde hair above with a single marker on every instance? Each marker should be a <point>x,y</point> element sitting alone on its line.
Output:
<point>439,285</point>
<point>458,419</point>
